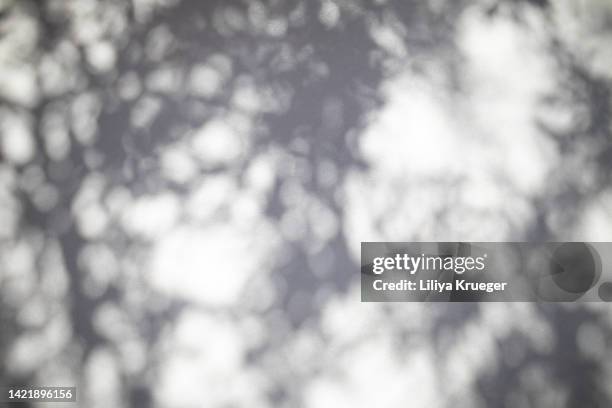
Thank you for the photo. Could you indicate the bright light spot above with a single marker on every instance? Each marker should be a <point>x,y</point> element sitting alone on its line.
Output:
<point>483,157</point>
<point>206,365</point>
<point>177,164</point>
<point>102,56</point>
<point>329,14</point>
<point>212,265</point>
<point>596,223</point>
<point>205,80</point>
<point>17,142</point>
<point>211,195</point>
<point>92,220</point>
<point>217,143</point>
<point>372,375</point>
<point>152,216</point>
<point>102,380</point>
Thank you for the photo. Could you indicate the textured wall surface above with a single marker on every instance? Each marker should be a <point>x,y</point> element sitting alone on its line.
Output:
<point>184,186</point>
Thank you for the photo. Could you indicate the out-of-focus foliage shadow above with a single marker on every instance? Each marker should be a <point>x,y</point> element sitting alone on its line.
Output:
<point>96,93</point>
